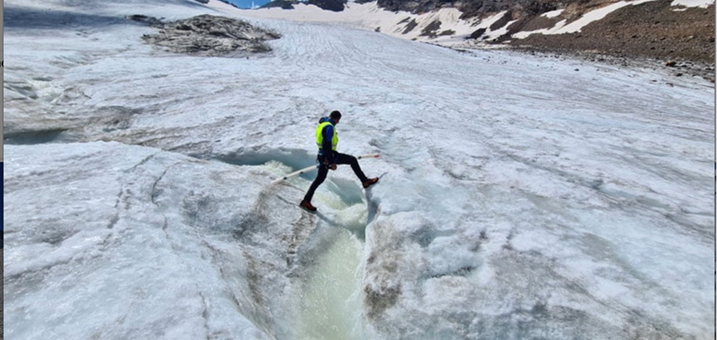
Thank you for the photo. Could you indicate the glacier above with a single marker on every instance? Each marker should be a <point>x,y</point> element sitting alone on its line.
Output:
<point>521,196</point>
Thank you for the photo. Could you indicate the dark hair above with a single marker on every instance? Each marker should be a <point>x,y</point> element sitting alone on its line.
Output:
<point>335,115</point>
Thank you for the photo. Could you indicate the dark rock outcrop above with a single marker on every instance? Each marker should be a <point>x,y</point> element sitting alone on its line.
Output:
<point>208,35</point>
<point>330,5</point>
<point>283,4</point>
<point>431,29</point>
<point>151,21</point>
<point>474,8</point>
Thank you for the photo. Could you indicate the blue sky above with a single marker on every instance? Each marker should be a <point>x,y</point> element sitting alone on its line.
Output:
<point>248,3</point>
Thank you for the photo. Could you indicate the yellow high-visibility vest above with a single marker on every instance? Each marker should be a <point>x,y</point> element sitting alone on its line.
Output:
<point>320,136</point>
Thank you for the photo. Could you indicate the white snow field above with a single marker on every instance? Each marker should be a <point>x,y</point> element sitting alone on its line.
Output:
<point>521,197</point>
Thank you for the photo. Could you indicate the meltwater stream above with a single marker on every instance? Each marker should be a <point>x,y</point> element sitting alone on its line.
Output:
<point>329,298</point>
<point>326,296</point>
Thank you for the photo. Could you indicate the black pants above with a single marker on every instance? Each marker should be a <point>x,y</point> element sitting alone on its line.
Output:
<point>324,170</point>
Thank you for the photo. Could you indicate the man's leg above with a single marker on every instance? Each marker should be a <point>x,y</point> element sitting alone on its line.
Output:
<point>348,159</point>
<point>320,177</point>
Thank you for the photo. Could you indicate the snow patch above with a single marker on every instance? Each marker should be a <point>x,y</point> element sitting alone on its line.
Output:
<point>693,3</point>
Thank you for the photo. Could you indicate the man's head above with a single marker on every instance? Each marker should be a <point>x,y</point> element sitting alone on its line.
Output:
<point>335,116</point>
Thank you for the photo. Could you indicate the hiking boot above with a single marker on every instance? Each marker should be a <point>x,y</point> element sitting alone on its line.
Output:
<point>370,182</point>
<point>307,206</point>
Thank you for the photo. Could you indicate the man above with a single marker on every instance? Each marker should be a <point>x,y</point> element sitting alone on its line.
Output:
<point>326,141</point>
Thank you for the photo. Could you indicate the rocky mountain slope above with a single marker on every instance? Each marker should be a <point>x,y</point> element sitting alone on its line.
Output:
<point>653,29</point>
<point>683,39</point>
